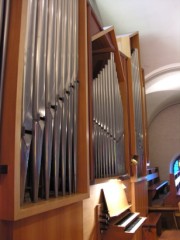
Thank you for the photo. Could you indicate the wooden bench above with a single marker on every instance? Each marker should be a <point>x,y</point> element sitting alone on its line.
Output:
<point>174,194</point>
<point>167,215</point>
<point>152,226</point>
<point>155,185</point>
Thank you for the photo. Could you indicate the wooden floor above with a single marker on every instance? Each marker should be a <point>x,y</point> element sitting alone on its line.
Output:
<point>170,235</point>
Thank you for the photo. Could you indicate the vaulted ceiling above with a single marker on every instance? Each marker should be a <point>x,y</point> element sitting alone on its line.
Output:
<point>158,24</point>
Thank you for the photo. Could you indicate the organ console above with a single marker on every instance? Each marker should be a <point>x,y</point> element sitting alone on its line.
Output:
<point>116,220</point>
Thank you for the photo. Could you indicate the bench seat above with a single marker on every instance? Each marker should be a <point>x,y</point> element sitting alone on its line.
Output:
<point>152,226</point>
<point>158,186</point>
<point>155,185</point>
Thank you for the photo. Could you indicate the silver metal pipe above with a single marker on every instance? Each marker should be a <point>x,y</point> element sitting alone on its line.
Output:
<point>29,59</point>
<point>37,140</point>
<point>57,134</point>
<point>49,95</point>
<point>50,83</point>
<point>58,66</point>
<point>2,9</point>
<point>69,39</point>
<point>138,109</point>
<point>70,141</point>
<point>94,135</point>
<point>40,62</point>
<point>47,151</point>
<point>120,147</point>
<point>99,154</point>
<point>64,144</point>
<point>25,153</point>
<point>64,97</point>
<point>76,93</point>
<point>107,117</point>
<point>5,6</point>
<point>111,117</point>
<point>97,128</point>
<point>63,42</point>
<point>39,95</point>
<point>28,71</point>
<point>75,133</point>
<point>56,147</point>
<point>101,124</point>
<point>113,126</point>
<point>96,124</point>
<point>69,91</point>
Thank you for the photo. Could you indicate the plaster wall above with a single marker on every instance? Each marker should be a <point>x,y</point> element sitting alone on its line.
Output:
<point>164,139</point>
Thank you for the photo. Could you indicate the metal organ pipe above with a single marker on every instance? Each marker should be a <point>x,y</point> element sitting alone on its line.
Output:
<point>50,100</point>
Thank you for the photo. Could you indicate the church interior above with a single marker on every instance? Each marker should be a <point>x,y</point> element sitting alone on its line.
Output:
<point>89,120</point>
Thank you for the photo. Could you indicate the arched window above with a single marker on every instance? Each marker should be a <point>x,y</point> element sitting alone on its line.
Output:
<point>176,166</point>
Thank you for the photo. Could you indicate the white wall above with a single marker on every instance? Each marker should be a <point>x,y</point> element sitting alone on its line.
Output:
<point>164,139</point>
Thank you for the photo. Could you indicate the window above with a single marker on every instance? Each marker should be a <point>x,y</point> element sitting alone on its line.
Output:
<point>176,166</point>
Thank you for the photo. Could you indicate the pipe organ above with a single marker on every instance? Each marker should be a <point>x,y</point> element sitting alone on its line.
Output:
<point>65,99</point>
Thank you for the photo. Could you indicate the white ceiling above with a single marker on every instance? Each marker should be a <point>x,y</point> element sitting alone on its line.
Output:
<point>158,24</point>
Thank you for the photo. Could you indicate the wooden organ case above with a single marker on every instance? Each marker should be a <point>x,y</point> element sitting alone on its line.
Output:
<point>18,211</point>
<point>128,44</point>
<point>103,43</point>
<point>107,104</point>
<point>102,49</point>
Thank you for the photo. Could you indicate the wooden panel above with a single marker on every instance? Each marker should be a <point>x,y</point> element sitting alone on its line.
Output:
<point>117,59</point>
<point>6,230</point>
<point>152,226</point>
<point>138,235</point>
<point>140,196</point>
<point>94,26</point>
<point>62,224</point>
<point>124,45</point>
<point>10,128</point>
<point>89,213</point>
<point>83,118</point>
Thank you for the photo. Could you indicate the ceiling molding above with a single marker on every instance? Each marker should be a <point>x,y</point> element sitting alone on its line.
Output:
<point>163,70</point>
